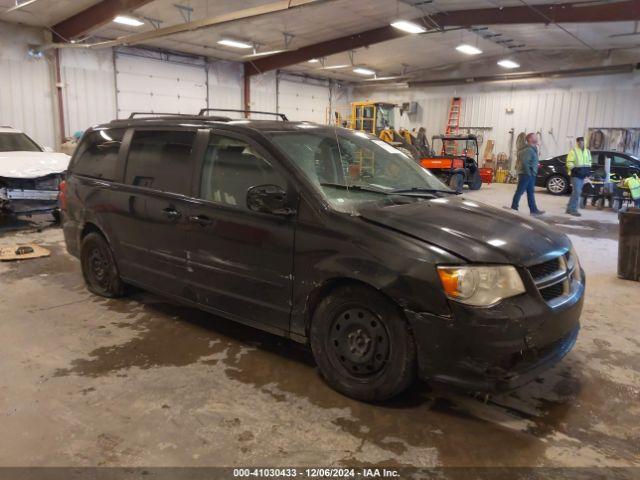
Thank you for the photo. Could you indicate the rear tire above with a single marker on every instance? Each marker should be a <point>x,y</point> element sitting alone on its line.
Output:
<point>557,185</point>
<point>99,268</point>
<point>456,182</point>
<point>362,345</point>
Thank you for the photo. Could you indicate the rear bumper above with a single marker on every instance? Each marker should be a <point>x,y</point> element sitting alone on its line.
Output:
<point>498,348</point>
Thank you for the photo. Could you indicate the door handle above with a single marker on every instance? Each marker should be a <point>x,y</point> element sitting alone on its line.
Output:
<point>201,220</point>
<point>172,213</point>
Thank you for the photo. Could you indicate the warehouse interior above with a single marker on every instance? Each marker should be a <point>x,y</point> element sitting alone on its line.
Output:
<point>144,381</point>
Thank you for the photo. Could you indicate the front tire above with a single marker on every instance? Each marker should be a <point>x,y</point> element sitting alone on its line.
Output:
<point>99,268</point>
<point>362,345</point>
<point>557,185</point>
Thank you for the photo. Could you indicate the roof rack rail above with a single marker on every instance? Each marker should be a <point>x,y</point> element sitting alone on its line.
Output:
<point>134,114</point>
<point>282,116</point>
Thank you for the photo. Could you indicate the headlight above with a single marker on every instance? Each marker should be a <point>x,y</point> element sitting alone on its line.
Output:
<point>480,286</point>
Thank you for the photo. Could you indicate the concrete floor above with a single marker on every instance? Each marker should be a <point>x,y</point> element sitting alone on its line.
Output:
<point>86,381</point>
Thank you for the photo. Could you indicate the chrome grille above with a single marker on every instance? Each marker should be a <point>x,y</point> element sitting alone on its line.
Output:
<point>553,278</point>
<point>543,269</point>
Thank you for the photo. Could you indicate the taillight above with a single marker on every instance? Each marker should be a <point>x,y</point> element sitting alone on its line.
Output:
<point>62,196</point>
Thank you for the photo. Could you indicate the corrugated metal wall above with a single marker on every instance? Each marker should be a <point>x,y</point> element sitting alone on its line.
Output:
<point>89,88</point>
<point>559,109</point>
<point>26,100</point>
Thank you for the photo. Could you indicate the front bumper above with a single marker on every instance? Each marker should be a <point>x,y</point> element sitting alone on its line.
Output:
<point>501,347</point>
<point>21,201</point>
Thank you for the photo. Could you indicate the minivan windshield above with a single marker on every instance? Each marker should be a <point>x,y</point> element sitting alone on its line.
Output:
<point>17,142</point>
<point>350,167</point>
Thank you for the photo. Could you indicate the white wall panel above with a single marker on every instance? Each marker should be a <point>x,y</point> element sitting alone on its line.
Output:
<point>226,85</point>
<point>152,85</point>
<point>89,94</point>
<point>263,94</point>
<point>559,109</point>
<point>26,100</point>
<point>303,98</point>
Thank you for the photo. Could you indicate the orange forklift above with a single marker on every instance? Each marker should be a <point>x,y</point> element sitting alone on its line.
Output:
<point>457,163</point>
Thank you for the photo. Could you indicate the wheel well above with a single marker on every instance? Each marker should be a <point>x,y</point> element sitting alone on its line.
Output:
<point>321,292</point>
<point>89,228</point>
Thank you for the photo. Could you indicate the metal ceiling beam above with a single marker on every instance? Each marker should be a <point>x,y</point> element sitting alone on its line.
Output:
<point>94,17</point>
<point>244,14</point>
<point>574,72</point>
<point>621,11</point>
<point>626,10</point>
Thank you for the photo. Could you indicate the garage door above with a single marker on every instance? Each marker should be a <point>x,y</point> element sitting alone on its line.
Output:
<point>303,100</point>
<point>150,85</point>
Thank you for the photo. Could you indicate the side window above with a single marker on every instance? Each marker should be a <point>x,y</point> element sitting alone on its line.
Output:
<point>230,168</point>
<point>161,159</point>
<point>619,161</point>
<point>97,156</point>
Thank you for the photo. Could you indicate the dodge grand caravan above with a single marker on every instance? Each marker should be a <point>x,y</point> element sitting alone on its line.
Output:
<point>327,236</point>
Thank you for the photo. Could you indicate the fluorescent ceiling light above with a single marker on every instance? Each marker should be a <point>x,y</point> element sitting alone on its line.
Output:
<point>408,27</point>
<point>468,49</point>
<point>261,54</point>
<point>132,22</point>
<point>234,43</point>
<point>313,60</point>
<point>508,64</point>
<point>363,71</point>
<point>333,67</point>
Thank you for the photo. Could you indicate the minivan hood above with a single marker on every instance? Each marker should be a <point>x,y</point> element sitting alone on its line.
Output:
<point>32,164</point>
<point>472,230</point>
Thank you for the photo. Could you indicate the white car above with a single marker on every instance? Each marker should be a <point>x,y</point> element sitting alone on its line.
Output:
<point>29,174</point>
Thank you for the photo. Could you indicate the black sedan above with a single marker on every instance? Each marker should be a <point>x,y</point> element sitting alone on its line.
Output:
<point>553,175</point>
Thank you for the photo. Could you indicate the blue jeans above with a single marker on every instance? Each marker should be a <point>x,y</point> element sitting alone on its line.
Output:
<point>526,183</point>
<point>576,186</point>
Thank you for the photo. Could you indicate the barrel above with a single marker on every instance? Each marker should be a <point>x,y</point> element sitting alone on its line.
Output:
<point>629,245</point>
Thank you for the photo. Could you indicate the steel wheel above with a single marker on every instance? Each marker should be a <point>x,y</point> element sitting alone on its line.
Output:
<point>557,184</point>
<point>362,344</point>
<point>359,342</point>
<point>99,268</point>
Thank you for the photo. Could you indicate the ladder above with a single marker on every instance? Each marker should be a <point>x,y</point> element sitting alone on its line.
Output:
<point>453,124</point>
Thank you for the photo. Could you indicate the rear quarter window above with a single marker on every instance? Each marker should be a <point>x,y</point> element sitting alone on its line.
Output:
<point>161,160</point>
<point>97,155</point>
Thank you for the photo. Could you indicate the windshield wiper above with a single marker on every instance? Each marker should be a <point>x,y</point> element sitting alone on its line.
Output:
<point>355,187</point>
<point>422,190</point>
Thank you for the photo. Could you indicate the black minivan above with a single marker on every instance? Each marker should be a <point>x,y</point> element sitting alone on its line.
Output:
<point>327,236</point>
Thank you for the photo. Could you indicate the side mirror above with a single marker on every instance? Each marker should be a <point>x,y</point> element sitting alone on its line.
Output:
<point>268,199</point>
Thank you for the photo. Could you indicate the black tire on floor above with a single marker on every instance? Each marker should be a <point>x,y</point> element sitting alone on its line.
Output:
<point>99,268</point>
<point>56,214</point>
<point>456,182</point>
<point>583,202</point>
<point>362,344</point>
<point>476,181</point>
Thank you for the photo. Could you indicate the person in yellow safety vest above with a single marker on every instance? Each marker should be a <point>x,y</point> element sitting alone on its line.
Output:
<point>386,135</point>
<point>579,168</point>
<point>633,184</point>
